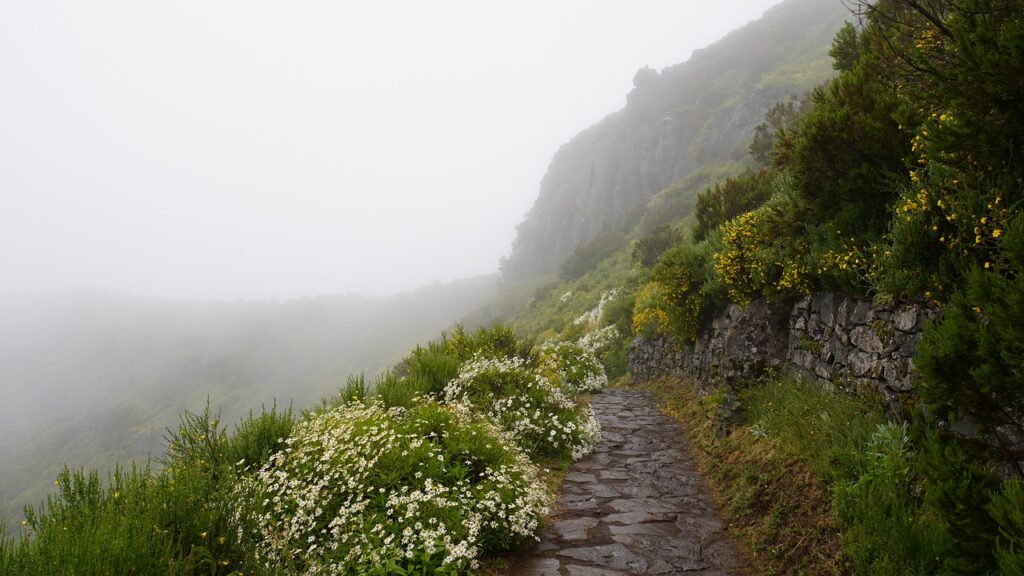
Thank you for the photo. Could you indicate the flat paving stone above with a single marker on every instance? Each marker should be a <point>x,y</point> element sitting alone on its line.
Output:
<point>636,505</point>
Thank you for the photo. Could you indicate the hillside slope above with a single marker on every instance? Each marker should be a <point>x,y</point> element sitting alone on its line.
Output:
<point>691,115</point>
<point>90,379</point>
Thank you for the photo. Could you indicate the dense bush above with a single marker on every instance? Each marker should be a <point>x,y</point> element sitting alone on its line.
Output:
<point>648,249</point>
<point>689,288</point>
<point>729,199</point>
<point>972,360</point>
<point>362,489</point>
<point>572,366</point>
<point>543,420</point>
<point>763,252</point>
<point>849,147</point>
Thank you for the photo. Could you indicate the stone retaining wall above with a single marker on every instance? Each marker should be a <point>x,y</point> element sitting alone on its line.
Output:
<point>837,339</point>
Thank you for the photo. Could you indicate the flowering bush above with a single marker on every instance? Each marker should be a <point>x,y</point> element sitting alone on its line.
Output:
<point>543,420</point>
<point>361,489</point>
<point>597,340</point>
<point>649,315</point>
<point>946,222</point>
<point>592,317</point>
<point>763,252</point>
<point>573,366</point>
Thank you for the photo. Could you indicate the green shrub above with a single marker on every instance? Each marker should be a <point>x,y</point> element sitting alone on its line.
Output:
<point>849,147</point>
<point>764,252</point>
<point>689,287</point>
<point>355,389</point>
<point>887,530</point>
<point>394,391</point>
<point>138,521</point>
<point>1007,508</point>
<point>496,341</point>
<point>362,489</point>
<point>648,249</point>
<point>729,199</point>
<point>431,368</point>
<point>257,437</point>
<point>971,361</point>
<point>946,222</point>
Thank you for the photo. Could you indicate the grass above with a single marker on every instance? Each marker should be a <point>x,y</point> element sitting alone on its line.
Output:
<point>777,507</point>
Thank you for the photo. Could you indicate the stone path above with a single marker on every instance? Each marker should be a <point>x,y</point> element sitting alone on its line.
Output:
<point>637,505</point>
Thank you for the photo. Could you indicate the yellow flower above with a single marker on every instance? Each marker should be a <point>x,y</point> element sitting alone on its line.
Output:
<point>988,265</point>
<point>203,535</point>
<point>984,219</point>
<point>997,233</point>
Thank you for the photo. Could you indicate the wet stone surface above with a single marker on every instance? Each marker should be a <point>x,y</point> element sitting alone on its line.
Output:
<point>637,505</point>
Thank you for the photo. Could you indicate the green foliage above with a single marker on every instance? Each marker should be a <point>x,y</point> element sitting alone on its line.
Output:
<point>140,521</point>
<point>828,429</point>
<point>972,360</point>
<point>1007,508</point>
<point>257,437</point>
<point>779,119</point>
<point>846,49</point>
<point>849,148</point>
<point>355,389</point>
<point>962,58</point>
<point>689,288</point>
<point>586,255</point>
<point>648,249</point>
<point>888,532</point>
<point>571,366</point>
<point>496,341</point>
<point>945,223</point>
<point>763,252</point>
<point>396,392</point>
<point>729,199</point>
<point>431,368</point>
<point>909,499</point>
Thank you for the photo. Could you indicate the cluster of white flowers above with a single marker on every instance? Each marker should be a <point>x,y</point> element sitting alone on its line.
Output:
<point>576,367</point>
<point>361,486</point>
<point>538,414</point>
<point>595,340</point>
<point>593,316</point>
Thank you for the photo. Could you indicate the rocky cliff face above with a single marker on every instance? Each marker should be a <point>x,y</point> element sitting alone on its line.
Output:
<point>701,112</point>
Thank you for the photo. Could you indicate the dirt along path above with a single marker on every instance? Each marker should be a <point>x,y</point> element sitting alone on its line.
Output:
<point>636,505</point>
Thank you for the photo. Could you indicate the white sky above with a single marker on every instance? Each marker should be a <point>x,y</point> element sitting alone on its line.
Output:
<point>222,149</point>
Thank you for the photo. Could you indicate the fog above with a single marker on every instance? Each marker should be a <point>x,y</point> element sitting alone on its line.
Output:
<point>246,149</point>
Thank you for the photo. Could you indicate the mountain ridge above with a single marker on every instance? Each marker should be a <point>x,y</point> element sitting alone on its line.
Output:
<point>690,115</point>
